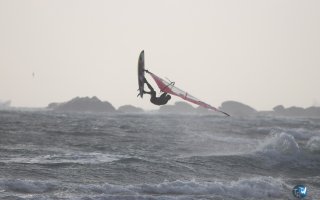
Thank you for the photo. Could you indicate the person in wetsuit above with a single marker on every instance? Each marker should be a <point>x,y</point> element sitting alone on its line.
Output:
<point>162,100</point>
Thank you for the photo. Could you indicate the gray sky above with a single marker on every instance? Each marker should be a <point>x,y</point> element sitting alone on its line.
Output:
<point>261,53</point>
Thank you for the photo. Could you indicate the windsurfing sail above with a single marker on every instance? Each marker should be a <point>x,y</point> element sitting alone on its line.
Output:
<point>168,87</point>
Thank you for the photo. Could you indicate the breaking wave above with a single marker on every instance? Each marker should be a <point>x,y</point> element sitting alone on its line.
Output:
<point>313,144</point>
<point>257,188</point>
<point>279,143</point>
<point>65,158</point>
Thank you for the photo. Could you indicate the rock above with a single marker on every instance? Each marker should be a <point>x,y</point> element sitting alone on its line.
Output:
<point>83,104</point>
<point>297,111</point>
<point>237,109</point>
<point>5,104</point>
<point>279,109</point>
<point>313,111</point>
<point>130,109</point>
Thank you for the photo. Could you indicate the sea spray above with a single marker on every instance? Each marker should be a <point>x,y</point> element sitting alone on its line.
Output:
<point>281,143</point>
<point>313,144</point>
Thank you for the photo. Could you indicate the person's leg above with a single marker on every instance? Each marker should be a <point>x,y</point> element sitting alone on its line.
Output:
<point>149,86</point>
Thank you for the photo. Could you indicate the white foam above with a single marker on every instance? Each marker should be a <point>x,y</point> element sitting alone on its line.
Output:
<point>280,143</point>
<point>207,143</point>
<point>297,133</point>
<point>256,188</point>
<point>105,189</point>
<point>313,144</point>
<point>71,157</point>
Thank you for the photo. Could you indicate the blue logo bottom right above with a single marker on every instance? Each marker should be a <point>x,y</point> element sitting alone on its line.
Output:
<point>299,191</point>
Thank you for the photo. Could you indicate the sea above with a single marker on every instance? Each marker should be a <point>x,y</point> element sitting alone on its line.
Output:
<point>48,155</point>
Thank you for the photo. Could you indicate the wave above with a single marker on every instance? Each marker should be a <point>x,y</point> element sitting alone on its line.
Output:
<point>66,158</point>
<point>297,133</point>
<point>27,186</point>
<point>279,143</point>
<point>313,144</point>
<point>281,151</point>
<point>282,143</point>
<point>256,187</point>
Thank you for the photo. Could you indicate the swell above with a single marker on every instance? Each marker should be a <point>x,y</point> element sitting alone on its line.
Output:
<point>256,188</point>
<point>278,153</point>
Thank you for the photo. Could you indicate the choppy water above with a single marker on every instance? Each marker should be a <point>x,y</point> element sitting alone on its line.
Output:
<point>47,155</point>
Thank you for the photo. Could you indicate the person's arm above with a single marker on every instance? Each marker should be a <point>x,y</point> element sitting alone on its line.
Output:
<point>149,86</point>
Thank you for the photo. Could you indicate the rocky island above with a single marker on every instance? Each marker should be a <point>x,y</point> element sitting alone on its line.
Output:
<point>234,108</point>
<point>83,104</point>
<point>130,109</point>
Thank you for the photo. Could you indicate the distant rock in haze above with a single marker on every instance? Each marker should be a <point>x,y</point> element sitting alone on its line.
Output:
<point>297,111</point>
<point>179,107</point>
<point>294,111</point>
<point>237,109</point>
<point>83,104</point>
<point>130,109</point>
<point>312,111</point>
<point>53,105</point>
<point>5,104</point>
<point>86,104</point>
<point>202,110</point>
<point>279,109</point>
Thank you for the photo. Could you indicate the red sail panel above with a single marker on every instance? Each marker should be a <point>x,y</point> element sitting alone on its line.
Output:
<point>168,87</point>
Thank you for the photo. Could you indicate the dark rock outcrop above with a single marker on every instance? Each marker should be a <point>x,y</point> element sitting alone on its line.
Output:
<point>83,104</point>
<point>237,109</point>
<point>279,109</point>
<point>296,111</point>
<point>86,104</point>
<point>53,106</point>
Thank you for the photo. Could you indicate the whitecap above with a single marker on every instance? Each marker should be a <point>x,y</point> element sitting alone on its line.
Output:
<point>279,143</point>
<point>313,144</point>
<point>65,158</point>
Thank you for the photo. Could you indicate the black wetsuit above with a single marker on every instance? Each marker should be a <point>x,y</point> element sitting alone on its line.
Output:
<point>162,100</point>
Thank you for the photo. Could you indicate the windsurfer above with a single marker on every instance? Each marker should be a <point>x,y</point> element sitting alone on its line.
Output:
<point>162,100</point>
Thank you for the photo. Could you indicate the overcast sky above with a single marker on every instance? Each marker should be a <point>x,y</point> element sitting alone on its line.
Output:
<point>261,53</point>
